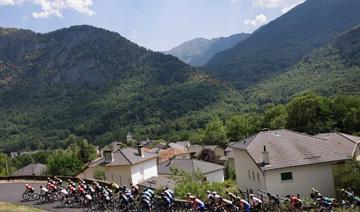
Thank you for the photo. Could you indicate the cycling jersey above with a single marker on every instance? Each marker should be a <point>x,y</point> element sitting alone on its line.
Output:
<point>245,205</point>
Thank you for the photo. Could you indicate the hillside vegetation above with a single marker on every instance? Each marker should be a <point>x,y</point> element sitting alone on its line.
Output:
<point>86,82</point>
<point>333,69</point>
<point>280,44</point>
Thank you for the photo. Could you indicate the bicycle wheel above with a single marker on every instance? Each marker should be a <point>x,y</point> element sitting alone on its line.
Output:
<point>35,196</point>
<point>25,196</point>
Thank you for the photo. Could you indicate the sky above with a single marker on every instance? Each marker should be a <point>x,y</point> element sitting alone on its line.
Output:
<point>158,25</point>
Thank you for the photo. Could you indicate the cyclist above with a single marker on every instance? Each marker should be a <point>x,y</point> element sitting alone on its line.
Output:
<point>295,201</point>
<point>29,188</point>
<point>255,202</point>
<point>57,181</point>
<point>134,189</point>
<point>274,200</point>
<point>168,196</point>
<point>115,187</point>
<point>245,205</point>
<point>196,203</point>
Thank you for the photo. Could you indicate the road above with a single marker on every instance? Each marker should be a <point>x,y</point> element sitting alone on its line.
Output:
<point>11,192</point>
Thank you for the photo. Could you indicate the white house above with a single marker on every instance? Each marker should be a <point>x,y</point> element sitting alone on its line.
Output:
<point>213,172</point>
<point>124,166</point>
<point>349,143</point>
<point>285,162</point>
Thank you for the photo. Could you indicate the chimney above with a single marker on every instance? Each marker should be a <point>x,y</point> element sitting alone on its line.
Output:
<point>266,158</point>
<point>140,150</point>
<point>108,155</point>
<point>158,160</point>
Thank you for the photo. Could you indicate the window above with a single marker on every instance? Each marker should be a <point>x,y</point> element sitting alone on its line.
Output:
<point>253,175</point>
<point>286,176</point>
<point>249,173</point>
<point>258,177</point>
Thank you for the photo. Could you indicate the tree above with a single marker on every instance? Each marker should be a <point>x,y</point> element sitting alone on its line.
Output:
<point>208,155</point>
<point>309,113</point>
<point>239,127</point>
<point>275,117</point>
<point>64,163</point>
<point>215,133</point>
<point>348,176</point>
<point>84,151</point>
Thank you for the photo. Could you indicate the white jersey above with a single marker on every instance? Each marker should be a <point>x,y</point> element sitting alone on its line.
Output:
<point>44,189</point>
<point>256,201</point>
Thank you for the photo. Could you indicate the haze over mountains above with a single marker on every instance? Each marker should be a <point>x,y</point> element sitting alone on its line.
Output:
<point>87,82</point>
<point>199,51</point>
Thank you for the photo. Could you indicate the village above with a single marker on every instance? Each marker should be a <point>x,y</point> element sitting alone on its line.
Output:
<point>277,162</point>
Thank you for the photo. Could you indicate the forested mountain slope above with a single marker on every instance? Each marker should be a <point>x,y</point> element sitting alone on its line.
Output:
<point>86,82</point>
<point>280,44</point>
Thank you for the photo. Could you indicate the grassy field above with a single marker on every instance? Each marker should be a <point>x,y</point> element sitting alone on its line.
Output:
<point>9,207</point>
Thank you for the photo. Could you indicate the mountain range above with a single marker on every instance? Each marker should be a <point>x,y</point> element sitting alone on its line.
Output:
<point>89,83</point>
<point>199,51</point>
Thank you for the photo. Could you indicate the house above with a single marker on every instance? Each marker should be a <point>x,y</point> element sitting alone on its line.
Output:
<point>213,172</point>
<point>349,143</point>
<point>286,162</point>
<point>31,170</point>
<point>228,156</point>
<point>124,166</point>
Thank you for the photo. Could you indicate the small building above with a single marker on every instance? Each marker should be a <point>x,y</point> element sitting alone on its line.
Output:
<point>124,166</point>
<point>213,172</point>
<point>349,143</point>
<point>31,170</point>
<point>286,162</point>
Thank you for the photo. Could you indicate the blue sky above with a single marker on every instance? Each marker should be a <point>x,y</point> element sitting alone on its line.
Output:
<point>156,24</point>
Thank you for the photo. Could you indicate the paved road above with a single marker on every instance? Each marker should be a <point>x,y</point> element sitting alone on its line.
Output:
<point>11,192</point>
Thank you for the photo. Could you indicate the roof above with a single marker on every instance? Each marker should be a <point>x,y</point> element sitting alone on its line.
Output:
<point>195,148</point>
<point>158,182</point>
<point>177,146</point>
<point>31,169</point>
<point>288,149</point>
<point>342,141</point>
<point>124,157</point>
<point>211,147</point>
<point>188,165</point>
<point>184,143</point>
<point>168,153</point>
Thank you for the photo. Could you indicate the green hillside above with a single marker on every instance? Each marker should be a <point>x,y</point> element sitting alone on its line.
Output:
<point>280,44</point>
<point>86,82</point>
<point>331,70</point>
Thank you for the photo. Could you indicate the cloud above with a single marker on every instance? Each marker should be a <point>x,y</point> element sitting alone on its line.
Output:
<point>7,2</point>
<point>284,5</point>
<point>258,21</point>
<point>234,1</point>
<point>55,7</point>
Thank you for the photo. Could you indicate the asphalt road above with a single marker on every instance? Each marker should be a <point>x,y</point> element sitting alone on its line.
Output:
<point>11,192</point>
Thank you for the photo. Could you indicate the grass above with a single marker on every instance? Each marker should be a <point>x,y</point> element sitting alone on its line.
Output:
<point>9,207</point>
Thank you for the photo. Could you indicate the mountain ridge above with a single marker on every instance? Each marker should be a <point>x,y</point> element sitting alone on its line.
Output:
<point>282,42</point>
<point>198,51</point>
